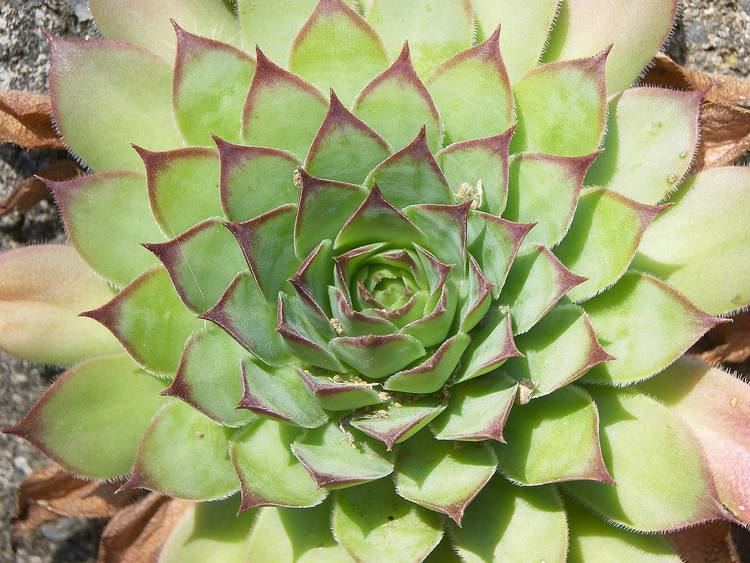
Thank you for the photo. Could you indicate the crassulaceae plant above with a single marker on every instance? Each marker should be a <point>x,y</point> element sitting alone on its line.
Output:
<point>390,293</point>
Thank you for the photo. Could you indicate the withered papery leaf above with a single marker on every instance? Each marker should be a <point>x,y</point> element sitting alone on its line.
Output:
<point>709,543</point>
<point>25,120</point>
<point>32,190</point>
<point>727,343</point>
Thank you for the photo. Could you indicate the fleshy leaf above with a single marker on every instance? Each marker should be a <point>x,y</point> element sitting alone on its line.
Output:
<point>477,410</point>
<point>344,148</point>
<point>562,107</point>
<point>508,523</point>
<point>433,327</point>
<point>544,189</point>
<point>603,239</point>
<point>268,472</point>
<point>699,246</point>
<point>150,321</point>
<point>356,323</point>
<point>107,217</point>
<point>673,490</point>
<point>282,111</point>
<point>411,176</point>
<point>273,25</point>
<point>586,26</point>
<point>190,260</point>
<point>525,29</point>
<point>210,84</point>
<point>397,423</point>
<point>715,405</point>
<point>88,78</point>
<point>166,460</point>
<point>42,290</point>
<point>557,351</point>
<point>554,439</point>
<point>337,459</point>
<point>313,276</point>
<point>652,136</point>
<point>478,298</point>
<point>473,93</point>
<point>430,375</point>
<point>280,394</point>
<point>209,377</point>
<point>446,225</point>
<point>337,49</point>
<point>646,325</point>
<point>441,477</point>
<point>378,356</point>
<point>339,394</point>
<point>435,30</point>
<point>397,104</point>
<point>374,524</point>
<point>92,417</point>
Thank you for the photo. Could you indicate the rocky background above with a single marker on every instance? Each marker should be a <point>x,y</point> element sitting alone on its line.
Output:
<point>712,35</point>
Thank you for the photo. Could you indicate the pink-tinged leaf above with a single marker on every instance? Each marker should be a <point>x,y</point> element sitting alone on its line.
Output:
<point>344,148</point>
<point>209,87</point>
<point>478,410</point>
<point>248,317</point>
<point>324,207</point>
<point>336,458</point>
<point>434,326</point>
<point>209,377</point>
<point>562,107</point>
<point>338,393</point>
<point>588,26</point>
<point>92,417</point>
<point>446,225</point>
<point>150,321</point>
<point>397,105</point>
<point>478,297</point>
<point>357,323</point>
<point>166,460</point>
<point>282,111</point>
<point>646,325</point>
<point>268,245</point>
<point>190,259</point>
<point>107,218</point>
<point>544,189</point>
<point>430,375</point>
<point>107,95</point>
<point>481,164</point>
<point>349,262</point>
<point>554,439</point>
<point>715,405</point>
<point>42,290</point>
<point>441,477</point>
<point>473,93</point>
<point>377,220</point>
<point>255,180</point>
<point>558,350</point>
<point>147,24</point>
<point>412,176</point>
<point>435,29</point>
<point>336,48</point>
<point>397,423</point>
<point>183,187</point>
<point>673,490</point>
<point>435,272</point>
<point>536,282</point>
<point>377,356</point>
<point>652,137</point>
<point>280,394</point>
<point>314,275</point>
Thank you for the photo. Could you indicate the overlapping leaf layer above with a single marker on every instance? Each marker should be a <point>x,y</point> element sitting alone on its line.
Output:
<point>404,294</point>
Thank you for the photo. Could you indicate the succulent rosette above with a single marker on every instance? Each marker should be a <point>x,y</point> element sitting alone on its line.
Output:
<point>383,291</point>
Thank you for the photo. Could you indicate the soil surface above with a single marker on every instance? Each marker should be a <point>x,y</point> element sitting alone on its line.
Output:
<point>712,35</point>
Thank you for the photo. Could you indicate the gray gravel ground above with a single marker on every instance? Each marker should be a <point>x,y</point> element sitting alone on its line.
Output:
<point>713,35</point>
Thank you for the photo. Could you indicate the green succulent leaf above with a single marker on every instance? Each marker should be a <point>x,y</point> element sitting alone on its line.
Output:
<point>397,423</point>
<point>356,323</point>
<point>447,226</point>
<point>376,356</point>
<point>340,394</point>
<point>431,375</point>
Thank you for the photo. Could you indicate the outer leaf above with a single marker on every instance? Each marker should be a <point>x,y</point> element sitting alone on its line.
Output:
<point>209,87</point>
<point>86,79</point>
<point>473,93</point>
<point>446,225</point>
<point>645,325</point>
<point>587,26</point>
<point>91,419</point>
<point>397,423</point>
<point>562,107</point>
<point>700,245</point>
<point>374,524</point>
<point>672,491</point>
<point>440,477</point>
<point>430,375</point>
<point>376,356</point>
<point>42,290</point>
<point>273,26</point>
<point>149,320</point>
<point>337,49</point>
<point>166,461</point>
<point>509,523</point>
<point>107,217</point>
<point>652,136</point>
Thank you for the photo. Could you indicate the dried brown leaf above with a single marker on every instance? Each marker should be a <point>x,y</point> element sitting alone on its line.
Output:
<point>709,543</point>
<point>727,343</point>
<point>25,120</point>
<point>31,191</point>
